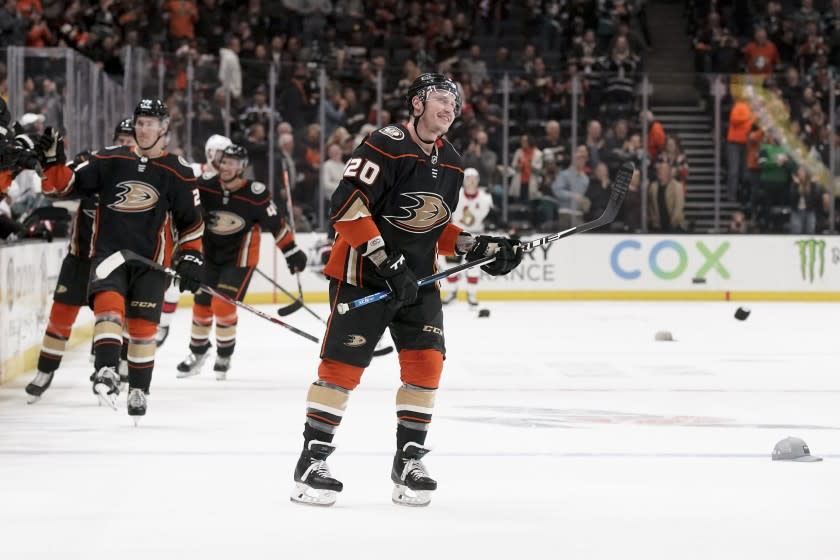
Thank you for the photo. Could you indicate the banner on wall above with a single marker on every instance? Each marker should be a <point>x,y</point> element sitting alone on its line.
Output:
<point>650,266</point>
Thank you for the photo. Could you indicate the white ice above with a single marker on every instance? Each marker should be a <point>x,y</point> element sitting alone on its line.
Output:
<point>561,430</point>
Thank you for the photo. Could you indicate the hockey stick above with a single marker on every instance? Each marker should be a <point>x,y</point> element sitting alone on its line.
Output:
<point>619,191</point>
<point>115,260</point>
<point>292,307</point>
<point>290,210</point>
<point>377,352</point>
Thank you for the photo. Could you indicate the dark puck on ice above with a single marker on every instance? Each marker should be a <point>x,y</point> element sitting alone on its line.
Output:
<point>742,313</point>
<point>483,312</point>
<point>698,280</point>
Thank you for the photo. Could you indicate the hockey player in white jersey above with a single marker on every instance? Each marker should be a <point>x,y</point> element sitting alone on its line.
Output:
<point>473,206</point>
<point>213,149</point>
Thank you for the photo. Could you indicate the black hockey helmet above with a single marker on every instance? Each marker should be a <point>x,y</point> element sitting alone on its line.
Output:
<point>149,107</point>
<point>237,152</point>
<point>126,126</point>
<point>425,84</point>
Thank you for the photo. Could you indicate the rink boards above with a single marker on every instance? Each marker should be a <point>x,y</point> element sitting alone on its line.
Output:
<point>591,266</point>
<point>642,267</point>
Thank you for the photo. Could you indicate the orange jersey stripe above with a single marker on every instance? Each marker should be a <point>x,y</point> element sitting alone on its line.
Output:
<point>392,156</point>
<point>358,232</point>
<point>447,239</point>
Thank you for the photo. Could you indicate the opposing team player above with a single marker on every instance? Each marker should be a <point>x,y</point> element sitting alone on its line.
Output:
<point>71,290</point>
<point>213,149</point>
<point>237,210</point>
<point>140,190</point>
<point>392,215</point>
<point>473,206</point>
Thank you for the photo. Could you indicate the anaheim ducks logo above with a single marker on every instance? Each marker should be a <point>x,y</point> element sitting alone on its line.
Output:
<point>426,212</point>
<point>135,196</point>
<point>225,223</point>
<point>355,340</point>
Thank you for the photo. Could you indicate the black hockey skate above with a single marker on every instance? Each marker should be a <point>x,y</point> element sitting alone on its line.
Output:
<point>315,485</point>
<point>221,367</point>
<point>136,404</point>
<point>106,386</point>
<point>192,364</point>
<point>38,386</point>
<point>412,484</point>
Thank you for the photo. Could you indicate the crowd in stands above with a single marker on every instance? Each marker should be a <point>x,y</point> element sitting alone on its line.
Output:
<point>559,53</point>
<point>791,50</point>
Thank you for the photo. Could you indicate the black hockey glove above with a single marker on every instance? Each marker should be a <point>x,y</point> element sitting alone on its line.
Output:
<point>190,268</point>
<point>400,279</point>
<point>295,258</point>
<point>50,148</point>
<point>508,254</point>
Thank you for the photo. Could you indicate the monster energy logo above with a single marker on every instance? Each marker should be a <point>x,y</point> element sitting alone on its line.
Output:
<point>811,255</point>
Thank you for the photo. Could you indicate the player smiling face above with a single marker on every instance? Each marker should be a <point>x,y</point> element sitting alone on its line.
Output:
<point>229,169</point>
<point>440,112</point>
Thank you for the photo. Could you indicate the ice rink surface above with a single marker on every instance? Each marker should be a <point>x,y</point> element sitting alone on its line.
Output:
<point>561,429</point>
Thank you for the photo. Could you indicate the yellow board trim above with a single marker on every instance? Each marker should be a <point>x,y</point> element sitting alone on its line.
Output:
<point>28,359</point>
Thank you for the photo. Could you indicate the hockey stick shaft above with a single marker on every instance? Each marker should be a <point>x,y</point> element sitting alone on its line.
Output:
<point>617,195</point>
<point>112,262</point>
<point>297,303</point>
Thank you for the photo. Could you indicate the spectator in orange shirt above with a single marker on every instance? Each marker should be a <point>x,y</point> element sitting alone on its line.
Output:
<point>656,135</point>
<point>183,15</point>
<point>28,7</point>
<point>740,123</point>
<point>39,34</point>
<point>761,56</point>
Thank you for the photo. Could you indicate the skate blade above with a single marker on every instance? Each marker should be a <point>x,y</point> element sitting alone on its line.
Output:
<point>136,420</point>
<point>221,375</point>
<point>184,374</point>
<point>32,399</point>
<point>101,391</point>
<point>405,496</point>
<point>306,495</point>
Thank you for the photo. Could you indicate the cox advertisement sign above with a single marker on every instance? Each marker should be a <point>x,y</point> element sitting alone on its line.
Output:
<point>670,259</point>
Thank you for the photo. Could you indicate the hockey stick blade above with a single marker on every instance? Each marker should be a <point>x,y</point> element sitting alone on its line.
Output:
<point>289,309</point>
<point>111,263</point>
<point>129,255</point>
<point>619,190</point>
<point>383,351</point>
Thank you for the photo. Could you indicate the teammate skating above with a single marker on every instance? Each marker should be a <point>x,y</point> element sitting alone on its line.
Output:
<point>213,149</point>
<point>71,290</point>
<point>143,192</point>
<point>237,210</point>
<point>392,213</point>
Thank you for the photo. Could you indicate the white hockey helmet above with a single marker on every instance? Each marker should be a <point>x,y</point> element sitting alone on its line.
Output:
<point>214,147</point>
<point>470,172</point>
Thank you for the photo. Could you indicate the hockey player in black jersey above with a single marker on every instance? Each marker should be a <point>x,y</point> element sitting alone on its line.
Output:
<point>142,190</point>
<point>236,210</point>
<point>392,212</point>
<point>71,290</point>
<point>213,149</point>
